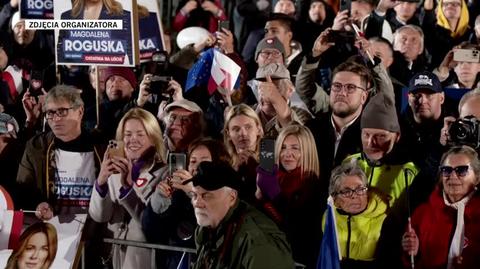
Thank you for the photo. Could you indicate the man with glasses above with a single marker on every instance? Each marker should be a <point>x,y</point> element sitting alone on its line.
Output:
<point>59,167</point>
<point>230,232</point>
<point>184,123</point>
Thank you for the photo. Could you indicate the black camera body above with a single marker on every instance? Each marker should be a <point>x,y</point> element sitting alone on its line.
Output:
<point>465,131</point>
<point>340,37</point>
<point>159,84</point>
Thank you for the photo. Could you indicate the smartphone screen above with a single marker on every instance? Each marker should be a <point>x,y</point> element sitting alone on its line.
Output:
<point>267,154</point>
<point>346,5</point>
<point>176,161</point>
<point>223,24</point>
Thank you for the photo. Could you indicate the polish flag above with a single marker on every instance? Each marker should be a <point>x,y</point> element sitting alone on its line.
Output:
<point>13,76</point>
<point>224,73</point>
<point>11,222</point>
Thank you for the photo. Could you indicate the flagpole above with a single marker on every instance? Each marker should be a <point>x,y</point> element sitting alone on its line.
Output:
<point>407,200</point>
<point>331,203</point>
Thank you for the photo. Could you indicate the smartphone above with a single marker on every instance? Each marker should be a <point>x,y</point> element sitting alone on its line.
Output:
<point>341,37</point>
<point>466,55</point>
<point>115,148</point>
<point>267,154</point>
<point>223,24</point>
<point>177,161</point>
<point>346,5</point>
<point>36,83</point>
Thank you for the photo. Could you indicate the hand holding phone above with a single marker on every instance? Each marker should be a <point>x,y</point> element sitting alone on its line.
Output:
<point>115,149</point>
<point>267,154</point>
<point>176,161</point>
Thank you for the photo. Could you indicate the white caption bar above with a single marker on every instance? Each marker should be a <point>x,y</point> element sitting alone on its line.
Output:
<point>74,24</point>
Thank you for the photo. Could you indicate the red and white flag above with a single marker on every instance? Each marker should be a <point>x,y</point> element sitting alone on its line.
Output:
<point>11,223</point>
<point>224,72</point>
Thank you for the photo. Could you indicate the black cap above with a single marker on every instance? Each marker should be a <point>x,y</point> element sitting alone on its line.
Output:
<point>425,81</point>
<point>213,176</point>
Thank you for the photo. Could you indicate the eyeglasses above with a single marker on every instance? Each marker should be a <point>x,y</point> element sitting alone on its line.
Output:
<point>348,193</point>
<point>61,112</point>
<point>453,4</point>
<point>274,53</point>
<point>460,171</point>
<point>184,120</point>
<point>206,196</point>
<point>350,88</point>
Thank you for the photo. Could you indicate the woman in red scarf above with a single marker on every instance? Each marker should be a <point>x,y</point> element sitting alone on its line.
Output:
<point>292,194</point>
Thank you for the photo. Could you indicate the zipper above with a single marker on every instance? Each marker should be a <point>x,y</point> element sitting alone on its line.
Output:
<point>349,227</point>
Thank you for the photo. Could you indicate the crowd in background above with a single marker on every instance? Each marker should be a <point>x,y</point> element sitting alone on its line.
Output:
<point>372,106</point>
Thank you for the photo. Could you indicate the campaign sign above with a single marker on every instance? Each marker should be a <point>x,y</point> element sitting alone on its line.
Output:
<point>97,47</point>
<point>36,9</point>
<point>150,27</point>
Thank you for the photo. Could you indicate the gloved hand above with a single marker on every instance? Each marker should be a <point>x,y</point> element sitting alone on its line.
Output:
<point>267,182</point>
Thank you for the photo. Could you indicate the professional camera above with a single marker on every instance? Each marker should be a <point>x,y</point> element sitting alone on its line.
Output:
<point>159,84</point>
<point>465,131</point>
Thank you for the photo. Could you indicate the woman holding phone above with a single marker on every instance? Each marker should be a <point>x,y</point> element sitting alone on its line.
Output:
<point>126,182</point>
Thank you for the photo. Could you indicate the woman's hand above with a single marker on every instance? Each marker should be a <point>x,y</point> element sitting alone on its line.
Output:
<point>225,40</point>
<point>210,7</point>
<point>164,188</point>
<point>243,157</point>
<point>124,167</point>
<point>44,211</point>
<point>410,242</point>
<point>144,92</point>
<point>340,20</point>
<point>106,170</point>
<point>176,89</point>
<point>189,6</point>
<point>321,43</point>
<point>33,106</point>
<point>180,176</point>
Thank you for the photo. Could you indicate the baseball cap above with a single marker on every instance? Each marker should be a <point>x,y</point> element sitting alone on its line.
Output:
<point>269,43</point>
<point>274,70</point>
<point>425,81</point>
<point>8,124</point>
<point>215,175</point>
<point>185,104</point>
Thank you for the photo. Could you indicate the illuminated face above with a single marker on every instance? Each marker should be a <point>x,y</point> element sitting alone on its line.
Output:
<point>467,72</point>
<point>211,206</point>
<point>360,10</point>
<point>244,133</point>
<point>377,143</point>
<point>452,9</point>
<point>136,139</point>
<point>198,155</point>
<point>405,10</point>
<point>179,122</point>
<point>426,105</point>
<point>471,108</point>
<point>3,59</point>
<point>317,12</point>
<point>290,153</point>
<point>268,56</point>
<point>382,51</point>
<point>457,184</point>
<point>409,43</point>
<point>343,102</point>
<point>352,196</point>
<point>21,35</point>
<point>285,7</point>
<point>35,253</point>
<point>275,28</point>
<point>63,118</point>
<point>118,88</point>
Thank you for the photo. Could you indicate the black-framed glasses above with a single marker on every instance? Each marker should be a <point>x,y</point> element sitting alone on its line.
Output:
<point>274,53</point>
<point>350,88</point>
<point>184,120</point>
<point>61,112</point>
<point>348,193</point>
<point>460,171</point>
<point>453,4</point>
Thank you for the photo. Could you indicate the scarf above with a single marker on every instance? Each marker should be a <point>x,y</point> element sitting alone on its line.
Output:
<point>458,239</point>
<point>462,25</point>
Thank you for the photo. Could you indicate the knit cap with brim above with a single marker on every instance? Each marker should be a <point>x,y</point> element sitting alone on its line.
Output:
<point>380,111</point>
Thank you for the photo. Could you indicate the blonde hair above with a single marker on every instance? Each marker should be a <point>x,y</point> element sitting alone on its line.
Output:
<point>113,7</point>
<point>152,128</point>
<point>38,227</point>
<point>239,110</point>
<point>309,163</point>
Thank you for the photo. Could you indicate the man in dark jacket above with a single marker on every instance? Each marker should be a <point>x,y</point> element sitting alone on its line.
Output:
<point>231,233</point>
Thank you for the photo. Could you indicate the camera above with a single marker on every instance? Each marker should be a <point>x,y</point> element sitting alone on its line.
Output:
<point>465,131</point>
<point>341,37</point>
<point>159,84</point>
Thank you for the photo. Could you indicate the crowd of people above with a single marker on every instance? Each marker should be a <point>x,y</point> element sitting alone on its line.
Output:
<point>376,106</point>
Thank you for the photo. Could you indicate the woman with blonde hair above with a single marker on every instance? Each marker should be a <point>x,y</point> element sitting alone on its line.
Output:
<point>242,133</point>
<point>292,192</point>
<point>127,179</point>
<point>37,247</point>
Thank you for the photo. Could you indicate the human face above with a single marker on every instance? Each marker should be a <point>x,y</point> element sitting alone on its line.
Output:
<point>244,133</point>
<point>136,139</point>
<point>3,59</point>
<point>92,75</point>
<point>409,43</point>
<point>467,72</point>
<point>317,12</point>
<point>471,108</point>
<point>179,121</point>
<point>290,153</point>
<point>198,155</point>
<point>35,253</point>
<point>268,56</point>
<point>382,51</point>
<point>426,105</point>
<point>377,143</point>
<point>345,104</point>
<point>275,28</point>
<point>211,206</point>
<point>118,88</point>
<point>285,7</point>
<point>457,186</point>
<point>359,199</point>
<point>360,10</point>
<point>21,35</point>
<point>452,9</point>
<point>64,119</point>
<point>405,10</point>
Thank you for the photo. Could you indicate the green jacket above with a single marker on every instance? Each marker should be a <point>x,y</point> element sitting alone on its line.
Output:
<point>389,178</point>
<point>246,238</point>
<point>362,229</point>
